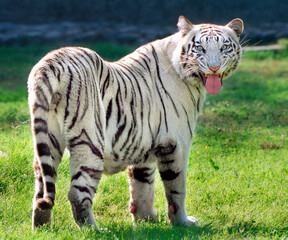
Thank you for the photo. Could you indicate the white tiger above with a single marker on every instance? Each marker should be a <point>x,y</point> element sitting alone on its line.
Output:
<point>140,112</point>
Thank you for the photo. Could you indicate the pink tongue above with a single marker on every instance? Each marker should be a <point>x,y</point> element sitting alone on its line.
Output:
<point>213,84</point>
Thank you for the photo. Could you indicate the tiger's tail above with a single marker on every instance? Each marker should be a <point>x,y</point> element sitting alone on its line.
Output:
<point>42,85</point>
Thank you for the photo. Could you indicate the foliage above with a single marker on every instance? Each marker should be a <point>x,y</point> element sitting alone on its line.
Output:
<point>238,166</point>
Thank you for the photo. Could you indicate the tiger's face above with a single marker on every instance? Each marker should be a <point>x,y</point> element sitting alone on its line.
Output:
<point>209,53</point>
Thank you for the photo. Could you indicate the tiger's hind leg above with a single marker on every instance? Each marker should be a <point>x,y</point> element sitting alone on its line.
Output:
<point>42,204</point>
<point>86,166</point>
<point>141,180</point>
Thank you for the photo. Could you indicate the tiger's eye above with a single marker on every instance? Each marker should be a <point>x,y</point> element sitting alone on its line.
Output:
<point>224,47</point>
<point>199,48</point>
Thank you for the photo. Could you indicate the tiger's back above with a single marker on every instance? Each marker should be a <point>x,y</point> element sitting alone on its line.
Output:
<point>139,111</point>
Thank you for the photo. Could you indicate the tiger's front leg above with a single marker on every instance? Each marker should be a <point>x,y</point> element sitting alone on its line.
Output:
<point>173,167</point>
<point>141,180</point>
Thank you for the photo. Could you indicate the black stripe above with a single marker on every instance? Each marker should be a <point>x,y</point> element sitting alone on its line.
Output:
<point>39,195</point>
<point>159,125</point>
<point>88,142</point>
<point>128,136</point>
<point>43,129</point>
<point>68,93</point>
<point>76,176</point>
<point>140,72</point>
<point>132,110</point>
<point>86,101</point>
<point>60,63</point>
<point>142,175</point>
<point>78,104</point>
<point>121,77</point>
<point>162,85</point>
<point>93,173</point>
<point>169,175</point>
<point>163,106</point>
<point>129,146</point>
<point>105,84</point>
<point>40,120</point>
<point>52,69</point>
<point>101,71</point>
<point>56,99</point>
<point>85,72</point>
<point>161,150</point>
<point>145,55</point>
<point>42,96</point>
<point>141,97</point>
<point>183,52</point>
<point>167,161</point>
<point>149,122</point>
<point>118,106</point>
<point>43,149</point>
<point>147,66</point>
<point>127,68</point>
<point>88,55</point>
<point>174,192</point>
<point>58,76</point>
<point>48,170</point>
<point>94,149</point>
<point>98,120</point>
<point>137,61</point>
<point>136,148</point>
<point>47,82</point>
<point>119,132</point>
<point>55,143</point>
<point>108,112</point>
<point>86,199</point>
<point>127,77</point>
<point>198,105</point>
<point>187,120</point>
<point>36,106</point>
<point>50,187</point>
<point>82,189</point>
<point>87,60</point>
<point>191,94</point>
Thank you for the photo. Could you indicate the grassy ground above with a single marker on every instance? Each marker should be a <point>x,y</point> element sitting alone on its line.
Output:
<point>238,166</point>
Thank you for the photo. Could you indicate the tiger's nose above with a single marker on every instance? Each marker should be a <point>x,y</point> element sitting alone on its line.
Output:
<point>214,69</point>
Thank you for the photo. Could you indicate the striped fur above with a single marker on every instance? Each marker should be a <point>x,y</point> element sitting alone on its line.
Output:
<point>140,112</point>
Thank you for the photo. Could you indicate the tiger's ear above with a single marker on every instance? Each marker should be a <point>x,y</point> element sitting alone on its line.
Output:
<point>237,26</point>
<point>184,25</point>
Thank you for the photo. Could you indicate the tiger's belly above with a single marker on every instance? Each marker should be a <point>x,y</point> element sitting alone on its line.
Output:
<point>117,157</point>
<point>116,162</point>
<point>113,165</point>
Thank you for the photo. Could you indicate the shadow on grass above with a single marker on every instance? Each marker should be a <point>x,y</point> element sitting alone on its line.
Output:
<point>157,231</point>
<point>165,231</point>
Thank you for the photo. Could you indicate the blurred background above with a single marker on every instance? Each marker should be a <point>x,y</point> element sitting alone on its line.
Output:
<point>132,21</point>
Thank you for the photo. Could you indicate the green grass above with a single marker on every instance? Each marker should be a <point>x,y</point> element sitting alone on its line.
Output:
<point>238,166</point>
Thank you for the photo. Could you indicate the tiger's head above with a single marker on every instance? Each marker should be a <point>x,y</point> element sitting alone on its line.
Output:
<point>207,52</point>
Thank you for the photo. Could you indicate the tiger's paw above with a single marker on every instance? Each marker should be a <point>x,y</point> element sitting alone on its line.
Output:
<point>140,214</point>
<point>188,222</point>
<point>191,221</point>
